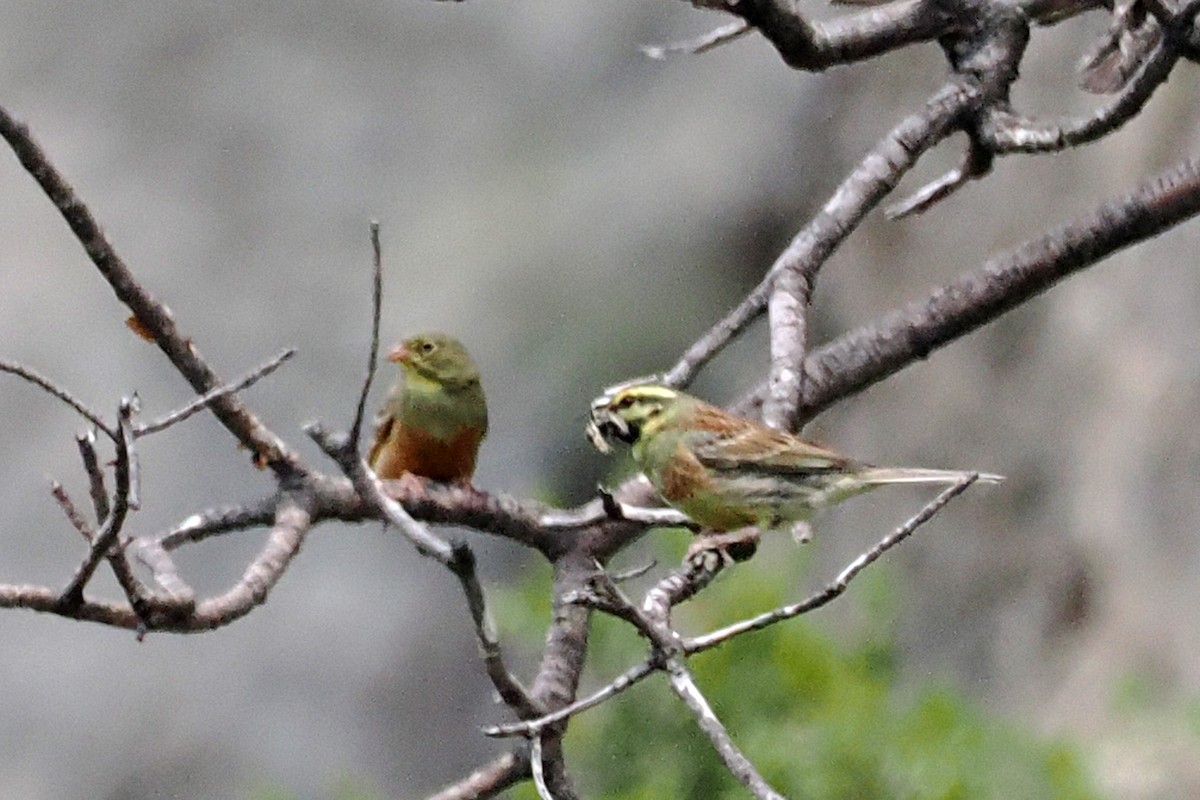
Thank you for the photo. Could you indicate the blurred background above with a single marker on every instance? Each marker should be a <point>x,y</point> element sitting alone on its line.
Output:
<point>578,213</point>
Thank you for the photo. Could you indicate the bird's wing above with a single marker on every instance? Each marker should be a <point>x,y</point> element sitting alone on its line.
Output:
<point>730,443</point>
<point>383,428</point>
<point>384,421</point>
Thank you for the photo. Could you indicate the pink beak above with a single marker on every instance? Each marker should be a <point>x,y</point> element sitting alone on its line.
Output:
<point>400,353</point>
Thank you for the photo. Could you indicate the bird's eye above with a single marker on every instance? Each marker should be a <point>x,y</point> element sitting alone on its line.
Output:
<point>625,402</point>
<point>428,347</point>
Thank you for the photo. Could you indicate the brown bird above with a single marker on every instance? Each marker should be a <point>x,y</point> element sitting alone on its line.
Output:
<point>726,472</point>
<point>435,416</point>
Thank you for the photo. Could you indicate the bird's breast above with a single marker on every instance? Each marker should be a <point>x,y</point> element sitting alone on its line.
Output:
<point>422,453</point>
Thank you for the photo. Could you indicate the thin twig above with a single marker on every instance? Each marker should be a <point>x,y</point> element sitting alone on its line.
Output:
<point>874,177</point>
<point>206,400</point>
<point>373,357</point>
<point>128,408</point>
<point>42,382</point>
<point>633,572</point>
<point>701,44</point>
<point>839,584</point>
<point>152,554</point>
<point>91,465</point>
<point>602,594</point>
<point>72,513</point>
<point>212,522</point>
<point>368,486</point>
<point>510,689</point>
<point>809,45</point>
<point>906,335</point>
<point>490,779</point>
<point>683,583</point>
<point>538,768</point>
<point>607,508</point>
<point>666,648</point>
<point>684,686</point>
<point>627,679</point>
<point>976,162</point>
<point>292,523</point>
<point>1004,131</point>
<point>72,595</point>
<point>152,316</point>
<point>135,591</point>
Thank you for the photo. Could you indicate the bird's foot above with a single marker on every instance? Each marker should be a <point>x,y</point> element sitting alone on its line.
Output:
<point>732,547</point>
<point>412,485</point>
<point>464,484</point>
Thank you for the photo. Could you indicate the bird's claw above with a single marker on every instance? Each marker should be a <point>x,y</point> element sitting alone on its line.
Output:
<point>411,485</point>
<point>731,547</point>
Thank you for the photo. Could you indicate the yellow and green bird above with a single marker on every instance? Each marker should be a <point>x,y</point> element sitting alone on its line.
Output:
<point>726,472</point>
<point>435,416</point>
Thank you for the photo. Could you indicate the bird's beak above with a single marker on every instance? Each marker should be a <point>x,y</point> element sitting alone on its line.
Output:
<point>604,425</point>
<point>400,354</point>
<point>596,435</point>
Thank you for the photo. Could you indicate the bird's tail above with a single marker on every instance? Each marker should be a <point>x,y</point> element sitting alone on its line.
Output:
<point>881,475</point>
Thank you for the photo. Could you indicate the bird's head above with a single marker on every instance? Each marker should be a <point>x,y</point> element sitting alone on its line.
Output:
<point>435,357</point>
<point>626,412</point>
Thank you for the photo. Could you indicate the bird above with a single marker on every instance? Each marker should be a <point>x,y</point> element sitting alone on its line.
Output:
<point>729,473</point>
<point>435,417</point>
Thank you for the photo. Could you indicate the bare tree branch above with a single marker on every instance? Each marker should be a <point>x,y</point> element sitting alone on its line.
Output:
<point>91,465</point>
<point>62,394</point>
<point>984,44</point>
<point>373,356</point>
<point>816,46</point>
<point>538,767</point>
<point>292,522</point>
<point>788,313</point>
<point>128,408</point>
<point>72,595</point>
<point>833,590</point>
<point>178,593</point>
<point>514,695</point>
<point>532,727</point>
<point>213,522</point>
<point>874,177</point>
<point>341,449</point>
<point>735,761</point>
<point>701,44</point>
<point>153,316</point>
<point>863,357</point>
<point>73,516</point>
<point>976,162</point>
<point>667,649</point>
<point>204,401</point>
<point>490,779</point>
<point>1006,132</point>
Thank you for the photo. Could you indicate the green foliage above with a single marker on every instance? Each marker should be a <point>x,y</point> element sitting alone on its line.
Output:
<point>819,719</point>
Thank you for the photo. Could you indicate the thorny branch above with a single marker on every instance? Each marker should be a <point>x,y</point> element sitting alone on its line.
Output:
<point>984,44</point>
